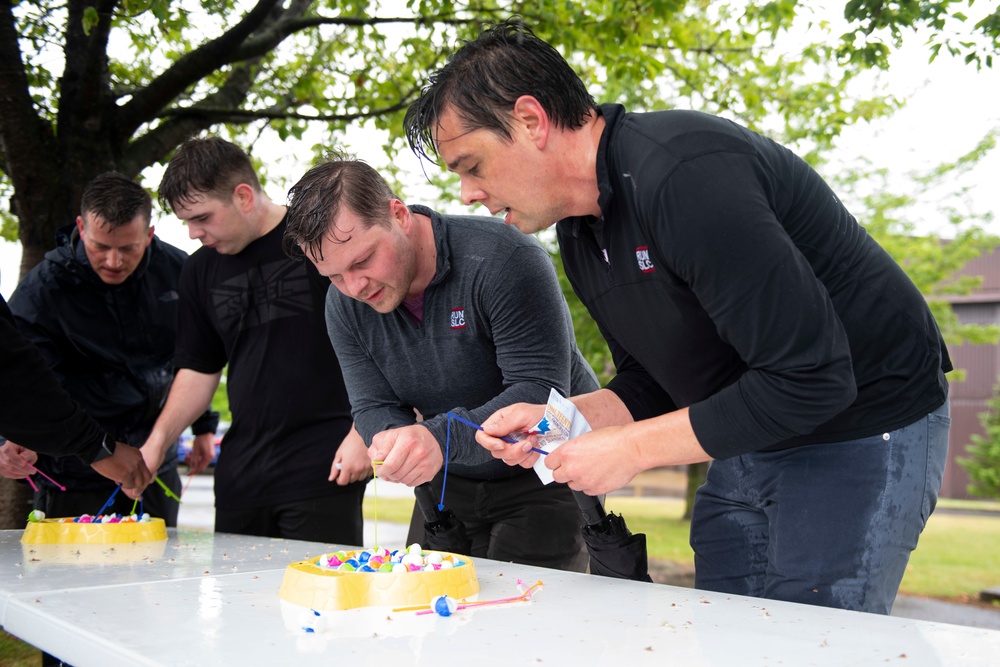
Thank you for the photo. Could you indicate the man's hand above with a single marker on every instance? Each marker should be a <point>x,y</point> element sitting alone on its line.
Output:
<point>516,418</point>
<point>351,463</point>
<point>410,455</point>
<point>201,454</point>
<point>16,462</point>
<point>608,458</point>
<point>596,463</point>
<point>126,467</point>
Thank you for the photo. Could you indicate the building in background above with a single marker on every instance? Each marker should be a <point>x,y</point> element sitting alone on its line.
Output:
<point>981,364</point>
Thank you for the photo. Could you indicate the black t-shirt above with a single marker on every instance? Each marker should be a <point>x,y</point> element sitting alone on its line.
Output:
<point>263,313</point>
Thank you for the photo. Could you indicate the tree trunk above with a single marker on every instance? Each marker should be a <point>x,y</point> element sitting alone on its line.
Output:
<point>695,478</point>
<point>15,503</point>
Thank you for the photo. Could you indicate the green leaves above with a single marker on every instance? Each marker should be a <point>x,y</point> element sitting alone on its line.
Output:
<point>890,218</point>
<point>983,454</point>
<point>336,63</point>
<point>878,26</point>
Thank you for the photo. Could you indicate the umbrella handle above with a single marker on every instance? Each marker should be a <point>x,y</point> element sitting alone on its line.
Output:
<point>591,506</point>
<point>424,495</point>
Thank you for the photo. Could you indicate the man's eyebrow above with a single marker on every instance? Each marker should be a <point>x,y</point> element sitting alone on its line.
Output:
<point>454,164</point>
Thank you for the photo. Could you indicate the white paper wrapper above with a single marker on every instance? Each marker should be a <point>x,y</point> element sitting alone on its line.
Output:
<point>561,422</point>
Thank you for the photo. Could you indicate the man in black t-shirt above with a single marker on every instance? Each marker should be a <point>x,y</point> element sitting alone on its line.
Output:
<point>291,464</point>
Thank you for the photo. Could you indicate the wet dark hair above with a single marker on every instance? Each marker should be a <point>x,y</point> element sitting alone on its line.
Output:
<point>484,78</point>
<point>115,199</point>
<point>315,201</point>
<point>210,167</point>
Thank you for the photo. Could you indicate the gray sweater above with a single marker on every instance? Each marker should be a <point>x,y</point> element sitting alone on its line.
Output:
<point>495,331</point>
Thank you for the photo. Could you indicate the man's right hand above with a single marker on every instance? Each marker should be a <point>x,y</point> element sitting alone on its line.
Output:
<point>519,417</point>
<point>126,467</point>
<point>16,462</point>
<point>410,455</point>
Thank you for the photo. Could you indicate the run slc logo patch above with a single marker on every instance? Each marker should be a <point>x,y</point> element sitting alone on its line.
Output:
<point>642,257</point>
<point>458,318</point>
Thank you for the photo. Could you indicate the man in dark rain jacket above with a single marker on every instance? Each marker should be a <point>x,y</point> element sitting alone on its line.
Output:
<point>102,309</point>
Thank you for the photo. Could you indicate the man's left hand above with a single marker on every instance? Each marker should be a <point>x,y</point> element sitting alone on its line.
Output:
<point>351,463</point>
<point>201,454</point>
<point>596,463</point>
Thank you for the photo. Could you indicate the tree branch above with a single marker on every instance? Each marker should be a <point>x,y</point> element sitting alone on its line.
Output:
<point>264,42</point>
<point>227,115</point>
<point>269,33</point>
<point>156,144</point>
<point>192,67</point>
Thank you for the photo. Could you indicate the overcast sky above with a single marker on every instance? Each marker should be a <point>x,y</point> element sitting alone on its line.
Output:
<point>950,108</point>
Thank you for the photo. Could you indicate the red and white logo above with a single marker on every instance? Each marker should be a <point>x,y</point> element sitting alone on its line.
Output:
<point>458,318</point>
<point>642,257</point>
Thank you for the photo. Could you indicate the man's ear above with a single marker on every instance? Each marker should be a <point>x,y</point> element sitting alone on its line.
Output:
<point>79,224</point>
<point>529,113</point>
<point>243,197</point>
<point>399,212</point>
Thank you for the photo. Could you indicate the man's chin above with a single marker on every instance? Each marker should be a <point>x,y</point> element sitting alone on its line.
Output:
<point>113,278</point>
<point>385,304</point>
<point>523,225</point>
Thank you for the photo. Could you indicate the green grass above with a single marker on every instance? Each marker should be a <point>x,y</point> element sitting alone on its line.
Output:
<point>982,505</point>
<point>957,556</point>
<point>15,653</point>
<point>392,510</point>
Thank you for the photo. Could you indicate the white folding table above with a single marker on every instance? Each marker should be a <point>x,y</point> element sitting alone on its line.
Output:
<point>212,599</point>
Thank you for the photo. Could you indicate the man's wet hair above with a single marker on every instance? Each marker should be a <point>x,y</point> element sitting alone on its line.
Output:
<point>116,200</point>
<point>205,167</point>
<point>315,201</point>
<point>482,80</point>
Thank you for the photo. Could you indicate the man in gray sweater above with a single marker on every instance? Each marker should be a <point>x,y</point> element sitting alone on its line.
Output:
<point>435,314</point>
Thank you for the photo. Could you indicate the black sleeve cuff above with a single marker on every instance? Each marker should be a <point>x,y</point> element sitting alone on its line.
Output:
<point>99,448</point>
<point>207,423</point>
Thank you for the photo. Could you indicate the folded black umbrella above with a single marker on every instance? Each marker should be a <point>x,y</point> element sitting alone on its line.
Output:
<point>614,550</point>
<point>443,531</point>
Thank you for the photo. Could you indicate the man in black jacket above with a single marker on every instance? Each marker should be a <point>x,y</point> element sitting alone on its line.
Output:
<point>35,410</point>
<point>752,321</point>
<point>102,309</point>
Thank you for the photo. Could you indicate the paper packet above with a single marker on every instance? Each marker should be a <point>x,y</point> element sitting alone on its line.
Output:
<point>561,422</point>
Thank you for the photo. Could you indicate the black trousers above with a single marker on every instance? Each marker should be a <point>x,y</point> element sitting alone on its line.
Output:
<point>519,520</point>
<point>336,518</point>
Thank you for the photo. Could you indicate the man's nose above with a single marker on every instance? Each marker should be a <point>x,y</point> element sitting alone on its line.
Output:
<point>356,285</point>
<point>471,194</point>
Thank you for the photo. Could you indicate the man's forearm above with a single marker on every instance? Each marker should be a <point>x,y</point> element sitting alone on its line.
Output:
<point>190,394</point>
<point>602,408</point>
